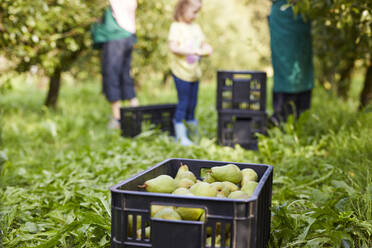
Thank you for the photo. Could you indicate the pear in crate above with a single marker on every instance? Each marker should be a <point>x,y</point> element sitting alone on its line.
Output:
<point>231,186</point>
<point>229,172</point>
<point>147,233</point>
<point>182,191</point>
<point>222,190</point>
<point>249,187</point>
<point>208,178</point>
<point>130,224</point>
<point>238,195</point>
<point>167,213</point>
<point>190,213</point>
<point>249,175</point>
<point>184,183</point>
<point>160,184</point>
<point>157,208</point>
<point>203,189</point>
<point>208,242</point>
<point>202,217</point>
<point>183,172</point>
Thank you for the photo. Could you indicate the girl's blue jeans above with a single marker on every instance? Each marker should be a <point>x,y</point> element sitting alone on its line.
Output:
<point>187,99</point>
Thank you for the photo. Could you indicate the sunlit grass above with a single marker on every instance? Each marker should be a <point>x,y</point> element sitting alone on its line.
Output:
<point>59,165</point>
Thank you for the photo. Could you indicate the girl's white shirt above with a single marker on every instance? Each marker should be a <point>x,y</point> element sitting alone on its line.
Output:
<point>124,12</point>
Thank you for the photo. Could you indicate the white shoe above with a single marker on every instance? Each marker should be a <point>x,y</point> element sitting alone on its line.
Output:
<point>181,136</point>
<point>113,123</point>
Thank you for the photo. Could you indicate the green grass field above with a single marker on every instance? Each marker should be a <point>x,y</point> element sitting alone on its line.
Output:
<point>57,167</point>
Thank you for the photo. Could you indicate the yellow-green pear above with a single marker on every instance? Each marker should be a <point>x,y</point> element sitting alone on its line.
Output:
<point>202,217</point>
<point>229,172</point>
<point>147,233</point>
<point>182,191</point>
<point>190,213</point>
<point>184,183</point>
<point>160,184</point>
<point>130,224</point>
<point>238,195</point>
<point>168,214</point>
<point>156,208</point>
<point>227,242</point>
<point>222,190</point>
<point>231,186</point>
<point>208,241</point>
<point>249,175</point>
<point>203,189</point>
<point>186,174</point>
<point>208,178</point>
<point>183,172</point>
<point>249,187</point>
<point>182,169</point>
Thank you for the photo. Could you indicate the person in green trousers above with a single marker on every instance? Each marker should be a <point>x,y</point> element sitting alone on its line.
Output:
<point>292,59</point>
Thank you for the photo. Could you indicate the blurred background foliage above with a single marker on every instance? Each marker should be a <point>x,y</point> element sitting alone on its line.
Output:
<point>52,39</point>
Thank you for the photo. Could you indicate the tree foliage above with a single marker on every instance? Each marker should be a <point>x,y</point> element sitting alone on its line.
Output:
<point>48,34</point>
<point>342,32</point>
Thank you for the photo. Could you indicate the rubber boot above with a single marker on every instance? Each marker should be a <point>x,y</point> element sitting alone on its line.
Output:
<point>192,129</point>
<point>180,130</point>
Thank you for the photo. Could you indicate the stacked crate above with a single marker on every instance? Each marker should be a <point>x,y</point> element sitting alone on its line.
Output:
<point>241,106</point>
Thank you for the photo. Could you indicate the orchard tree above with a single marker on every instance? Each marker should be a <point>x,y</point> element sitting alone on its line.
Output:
<point>53,34</point>
<point>342,33</point>
<point>49,34</point>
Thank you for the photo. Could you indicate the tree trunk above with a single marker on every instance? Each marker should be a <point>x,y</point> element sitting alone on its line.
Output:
<point>54,86</point>
<point>366,95</point>
<point>343,85</point>
<point>166,75</point>
<point>55,80</point>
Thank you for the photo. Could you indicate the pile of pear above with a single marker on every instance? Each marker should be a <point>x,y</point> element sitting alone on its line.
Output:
<point>226,181</point>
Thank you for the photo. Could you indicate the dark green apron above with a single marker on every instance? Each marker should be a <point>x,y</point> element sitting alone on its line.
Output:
<point>107,30</point>
<point>291,50</point>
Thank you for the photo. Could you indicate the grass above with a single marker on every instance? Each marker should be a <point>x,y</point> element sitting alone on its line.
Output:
<point>57,167</point>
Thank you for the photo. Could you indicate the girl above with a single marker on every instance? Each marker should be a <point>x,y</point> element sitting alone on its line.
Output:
<point>186,44</point>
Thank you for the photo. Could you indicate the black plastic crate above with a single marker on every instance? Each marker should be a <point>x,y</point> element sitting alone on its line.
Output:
<point>241,90</point>
<point>240,127</point>
<point>133,118</point>
<point>249,219</point>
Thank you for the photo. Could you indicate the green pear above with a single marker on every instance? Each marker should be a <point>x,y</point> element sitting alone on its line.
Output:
<point>227,242</point>
<point>182,169</point>
<point>203,189</point>
<point>147,233</point>
<point>222,190</point>
<point>183,172</point>
<point>249,187</point>
<point>157,208</point>
<point>238,195</point>
<point>202,217</point>
<point>130,224</point>
<point>190,213</point>
<point>208,178</point>
<point>186,174</point>
<point>160,184</point>
<point>249,175</point>
<point>231,186</point>
<point>167,213</point>
<point>184,183</point>
<point>229,172</point>
<point>182,191</point>
<point>208,241</point>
